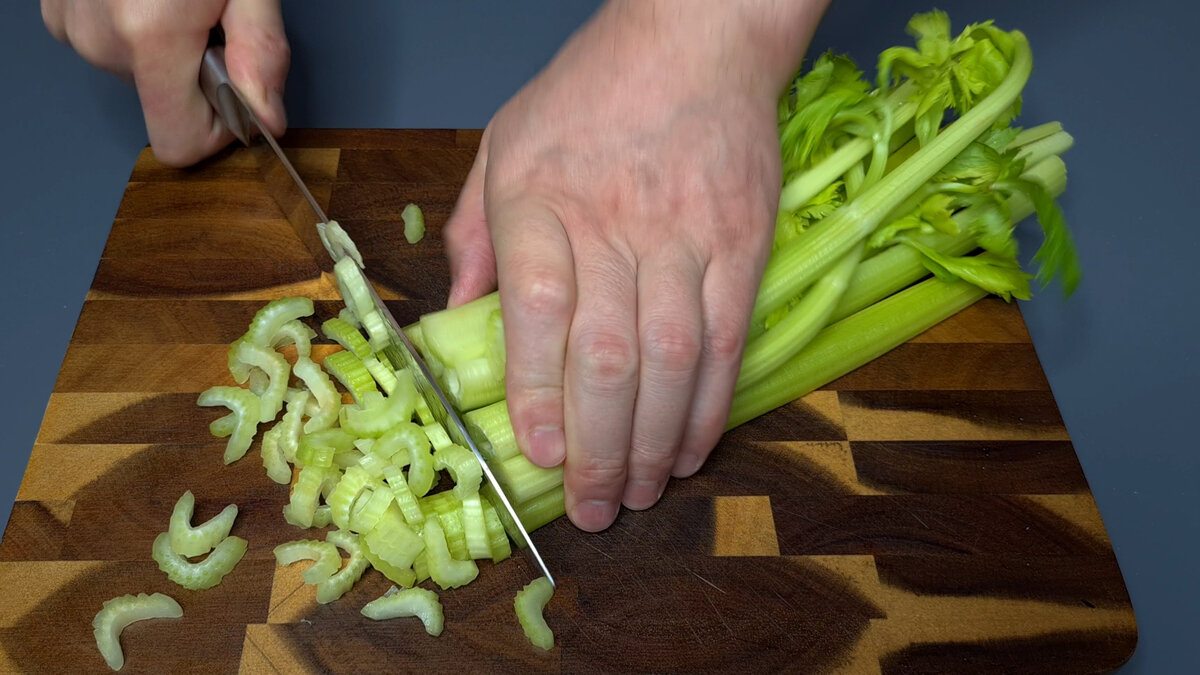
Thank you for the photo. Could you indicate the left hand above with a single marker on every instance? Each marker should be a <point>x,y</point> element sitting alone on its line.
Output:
<point>624,201</point>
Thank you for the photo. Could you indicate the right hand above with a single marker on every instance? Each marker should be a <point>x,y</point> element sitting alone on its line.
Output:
<point>158,45</point>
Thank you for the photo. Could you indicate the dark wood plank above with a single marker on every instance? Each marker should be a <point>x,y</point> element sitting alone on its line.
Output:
<point>951,415</point>
<point>234,201</point>
<point>926,366</point>
<point>426,166</point>
<point>205,238</point>
<point>970,467</point>
<point>183,277</point>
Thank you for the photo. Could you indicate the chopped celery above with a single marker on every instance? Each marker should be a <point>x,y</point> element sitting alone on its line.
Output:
<point>437,435</point>
<point>345,334</point>
<point>452,336</point>
<point>373,464</point>
<point>492,431</point>
<point>443,569</point>
<point>419,602</point>
<point>352,485</point>
<point>349,370</point>
<point>401,576</point>
<point>369,510</point>
<point>338,243</point>
<point>268,320</point>
<point>327,397</point>
<point>421,567</point>
<point>201,575</point>
<point>192,541</point>
<point>222,427</point>
<point>463,467</point>
<point>530,603</point>
<point>302,506</point>
<point>410,437</point>
<point>294,332</point>
<point>325,555</point>
<point>405,499</point>
<point>414,223</point>
<point>424,413</point>
<point>498,544</point>
<point>273,458</point>
<point>292,425</point>
<point>246,406</point>
<point>448,509</point>
<point>394,541</point>
<point>475,526</point>
<point>344,579</point>
<point>383,374</point>
<point>119,612</point>
<point>375,413</point>
<point>345,460</point>
<point>276,367</point>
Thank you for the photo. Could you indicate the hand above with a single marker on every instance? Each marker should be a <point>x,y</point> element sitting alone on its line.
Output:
<point>624,201</point>
<point>158,44</point>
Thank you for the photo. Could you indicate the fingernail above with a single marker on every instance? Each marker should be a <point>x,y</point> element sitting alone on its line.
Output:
<point>547,446</point>
<point>686,465</point>
<point>593,515</point>
<point>642,494</point>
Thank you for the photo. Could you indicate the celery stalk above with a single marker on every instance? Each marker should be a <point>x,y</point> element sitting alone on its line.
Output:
<point>492,431</point>
<point>444,570</point>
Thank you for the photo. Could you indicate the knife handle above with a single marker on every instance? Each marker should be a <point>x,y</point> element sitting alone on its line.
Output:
<point>218,89</point>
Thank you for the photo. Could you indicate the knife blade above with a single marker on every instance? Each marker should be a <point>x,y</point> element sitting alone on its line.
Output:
<point>234,112</point>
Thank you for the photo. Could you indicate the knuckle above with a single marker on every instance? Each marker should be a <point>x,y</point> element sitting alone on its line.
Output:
<point>723,344</point>
<point>606,358</point>
<point>542,294</point>
<point>670,346</point>
<point>590,471</point>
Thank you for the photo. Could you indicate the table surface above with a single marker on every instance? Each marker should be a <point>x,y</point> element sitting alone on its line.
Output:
<point>1116,354</point>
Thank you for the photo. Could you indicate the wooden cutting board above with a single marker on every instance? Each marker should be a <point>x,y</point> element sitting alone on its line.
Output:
<point>925,513</point>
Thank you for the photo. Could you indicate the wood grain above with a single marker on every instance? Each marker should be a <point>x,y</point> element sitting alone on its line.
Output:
<point>925,513</point>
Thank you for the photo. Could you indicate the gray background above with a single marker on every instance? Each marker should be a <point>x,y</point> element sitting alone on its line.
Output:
<point>1118,354</point>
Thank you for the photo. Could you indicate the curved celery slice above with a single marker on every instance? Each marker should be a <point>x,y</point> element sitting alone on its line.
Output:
<point>419,602</point>
<point>273,459</point>
<point>437,435</point>
<point>347,314</point>
<point>349,370</point>
<point>529,605</point>
<point>192,541</point>
<point>302,505</point>
<point>405,499</point>
<point>205,574</point>
<point>404,577</point>
<point>121,611</point>
<point>444,570</point>
<point>394,541</point>
<point>268,320</point>
<point>375,415</point>
<point>463,467</point>
<point>292,425</point>
<point>327,397</point>
<point>222,427</point>
<point>345,460</point>
<point>322,516</point>
<point>414,223</point>
<point>424,413</point>
<point>294,332</point>
<point>376,328</point>
<point>373,464</point>
<point>497,537</point>
<point>491,428</point>
<point>246,406</point>
<point>475,525</point>
<point>368,510</point>
<point>345,334</point>
<point>353,287</point>
<point>421,567</point>
<point>401,437</point>
<point>343,580</point>
<point>384,374</point>
<point>448,509</point>
<point>325,555</point>
<point>353,483</point>
<point>338,243</point>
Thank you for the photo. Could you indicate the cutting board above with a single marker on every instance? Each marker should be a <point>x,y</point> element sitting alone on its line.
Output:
<point>925,513</point>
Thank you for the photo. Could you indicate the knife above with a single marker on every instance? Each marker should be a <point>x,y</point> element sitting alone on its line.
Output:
<point>233,111</point>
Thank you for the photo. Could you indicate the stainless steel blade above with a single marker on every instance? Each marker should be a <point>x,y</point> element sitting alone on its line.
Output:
<point>401,352</point>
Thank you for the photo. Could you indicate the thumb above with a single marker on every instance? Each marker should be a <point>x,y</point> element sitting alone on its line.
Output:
<point>257,56</point>
<point>467,239</point>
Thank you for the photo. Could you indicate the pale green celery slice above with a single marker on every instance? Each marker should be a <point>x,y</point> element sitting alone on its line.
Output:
<point>294,332</point>
<point>393,540</point>
<point>322,516</point>
<point>302,505</point>
<point>338,243</point>
<point>273,458</point>
<point>497,538</point>
<point>424,413</point>
<point>258,381</point>
<point>327,397</point>
<point>349,370</point>
<point>373,464</point>
<point>291,427</point>
<point>345,460</point>
<point>376,329</point>
<point>247,408</point>
<point>346,314</point>
<point>311,454</point>
<point>192,541</point>
<point>383,374</point>
<point>418,459</point>
<point>492,430</point>
<point>240,371</point>
<point>222,427</point>
<point>353,287</point>
<point>448,509</point>
<point>414,223</point>
<point>119,612</point>
<point>473,384</point>
<point>400,576</point>
<point>268,320</point>
<point>345,334</point>
<point>421,567</point>
<point>529,604</point>
<point>437,435</point>
<point>443,569</point>
<point>478,544</point>
<point>276,367</point>
<point>419,602</point>
<point>452,336</point>
<point>369,510</point>
<point>325,555</point>
<point>204,574</point>
<point>463,467</point>
<point>364,445</point>
<point>343,580</point>
<point>354,482</point>
<point>375,414</point>
<point>534,513</point>
<point>405,499</point>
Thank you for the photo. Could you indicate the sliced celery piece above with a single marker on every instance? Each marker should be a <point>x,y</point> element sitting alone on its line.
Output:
<point>376,328</point>
<point>448,509</point>
<point>268,320</point>
<point>383,374</point>
<point>497,537</point>
<point>394,541</point>
<point>344,579</point>
<point>376,414</point>
<point>292,425</point>
<point>475,525</point>
<point>345,334</point>
<point>272,456</point>
<point>463,467</point>
<point>405,499</point>
<point>529,604</point>
<point>119,612</point>
<point>222,427</point>
<point>325,555</point>
<point>349,370</point>
<point>338,243</point>
<point>444,570</point>
<point>205,574</point>
<point>424,414</point>
<point>302,506</point>
<point>421,567</point>
<point>492,431</point>
<point>369,510</point>
<point>419,602</point>
<point>294,332</point>
<point>373,464</point>
<point>345,460</point>
<point>346,314</point>
<point>276,367</point>
<point>437,435</point>
<point>192,541</point>
<point>322,516</point>
<point>414,223</point>
<point>404,577</point>
<point>354,482</point>
<point>407,436</point>
<point>246,406</point>
<point>327,397</point>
